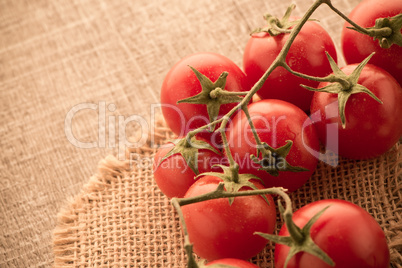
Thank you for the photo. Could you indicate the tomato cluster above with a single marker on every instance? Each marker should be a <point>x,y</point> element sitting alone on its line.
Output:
<point>230,140</point>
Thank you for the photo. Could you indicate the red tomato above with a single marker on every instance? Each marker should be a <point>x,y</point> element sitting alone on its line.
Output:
<point>173,176</point>
<point>349,235</point>
<point>306,55</point>
<point>181,83</point>
<point>356,46</point>
<point>371,128</point>
<point>218,230</point>
<point>234,263</point>
<point>276,122</point>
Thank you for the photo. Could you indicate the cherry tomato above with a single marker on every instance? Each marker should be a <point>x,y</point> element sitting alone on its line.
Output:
<point>233,263</point>
<point>349,235</point>
<point>276,122</point>
<point>306,55</point>
<point>173,176</point>
<point>219,230</point>
<point>181,83</point>
<point>356,46</point>
<point>371,128</point>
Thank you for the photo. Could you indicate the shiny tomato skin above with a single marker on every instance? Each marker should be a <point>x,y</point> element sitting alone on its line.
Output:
<point>218,230</point>
<point>356,46</point>
<point>173,176</point>
<point>181,82</point>
<point>234,262</point>
<point>371,128</point>
<point>306,55</point>
<point>276,122</point>
<point>349,235</point>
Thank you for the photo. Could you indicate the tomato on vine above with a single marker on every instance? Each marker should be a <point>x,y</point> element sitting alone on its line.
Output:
<point>175,166</point>
<point>348,234</point>
<point>306,55</point>
<point>357,46</point>
<point>186,95</point>
<point>218,229</point>
<point>369,122</point>
<point>289,139</point>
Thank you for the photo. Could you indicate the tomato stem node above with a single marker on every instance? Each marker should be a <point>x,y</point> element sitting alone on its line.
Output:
<point>386,30</point>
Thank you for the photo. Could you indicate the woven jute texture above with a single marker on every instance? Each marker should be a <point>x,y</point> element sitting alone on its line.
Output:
<point>121,219</point>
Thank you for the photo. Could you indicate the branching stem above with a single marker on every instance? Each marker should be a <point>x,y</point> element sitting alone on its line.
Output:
<point>250,121</point>
<point>220,192</point>
<point>329,78</point>
<point>343,16</point>
<point>191,262</point>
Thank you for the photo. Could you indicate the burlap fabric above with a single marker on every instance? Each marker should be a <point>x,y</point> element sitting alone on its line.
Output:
<point>121,219</point>
<point>57,55</point>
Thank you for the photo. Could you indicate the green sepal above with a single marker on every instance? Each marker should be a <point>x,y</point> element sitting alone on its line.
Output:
<point>305,245</point>
<point>275,26</point>
<point>386,30</point>
<point>348,86</point>
<point>233,181</point>
<point>274,160</point>
<point>189,151</point>
<point>212,95</point>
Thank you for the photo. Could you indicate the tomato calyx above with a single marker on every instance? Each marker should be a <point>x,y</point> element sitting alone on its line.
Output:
<point>274,160</point>
<point>386,30</point>
<point>188,148</point>
<point>233,181</point>
<point>277,26</point>
<point>299,239</point>
<point>345,85</point>
<point>213,95</point>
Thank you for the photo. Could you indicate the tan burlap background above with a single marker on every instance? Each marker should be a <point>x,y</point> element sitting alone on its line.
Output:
<point>121,219</point>
<point>111,57</point>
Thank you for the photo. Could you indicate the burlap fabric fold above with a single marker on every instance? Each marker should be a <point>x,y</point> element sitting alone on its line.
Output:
<point>121,219</point>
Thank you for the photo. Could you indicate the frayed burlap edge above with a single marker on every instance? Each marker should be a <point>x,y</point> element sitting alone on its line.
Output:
<point>65,235</point>
<point>65,242</point>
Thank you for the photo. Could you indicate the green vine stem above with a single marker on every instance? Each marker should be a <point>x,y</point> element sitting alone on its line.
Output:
<point>330,78</point>
<point>343,16</point>
<point>250,122</point>
<point>220,92</point>
<point>191,263</point>
<point>233,166</point>
<point>194,132</point>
